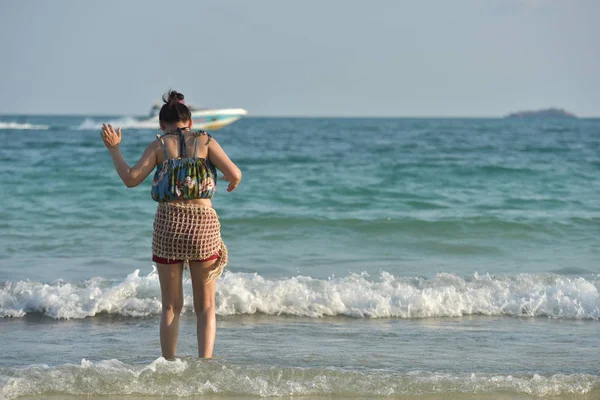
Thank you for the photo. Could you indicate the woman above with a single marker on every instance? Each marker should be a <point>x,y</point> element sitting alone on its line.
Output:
<point>186,227</point>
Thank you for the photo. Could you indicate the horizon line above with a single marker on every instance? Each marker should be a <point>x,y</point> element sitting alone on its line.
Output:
<point>305,116</point>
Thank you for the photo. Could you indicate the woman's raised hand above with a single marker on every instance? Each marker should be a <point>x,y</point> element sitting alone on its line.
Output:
<point>111,138</point>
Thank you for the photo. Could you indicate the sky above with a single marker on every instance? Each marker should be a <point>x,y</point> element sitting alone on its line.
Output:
<point>419,58</point>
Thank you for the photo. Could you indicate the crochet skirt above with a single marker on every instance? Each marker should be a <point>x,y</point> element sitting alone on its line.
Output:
<point>189,232</point>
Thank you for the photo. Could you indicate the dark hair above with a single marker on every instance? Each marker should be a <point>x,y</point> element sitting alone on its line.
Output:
<point>174,109</point>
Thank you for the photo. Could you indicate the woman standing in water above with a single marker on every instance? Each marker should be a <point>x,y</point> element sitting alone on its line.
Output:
<point>186,226</point>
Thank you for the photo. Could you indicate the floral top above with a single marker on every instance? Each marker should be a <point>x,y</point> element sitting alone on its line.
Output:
<point>184,178</point>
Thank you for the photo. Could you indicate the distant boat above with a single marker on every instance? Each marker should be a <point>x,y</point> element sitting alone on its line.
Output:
<point>548,113</point>
<point>209,119</point>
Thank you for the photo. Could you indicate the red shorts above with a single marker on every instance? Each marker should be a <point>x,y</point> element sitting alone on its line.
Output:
<point>161,260</point>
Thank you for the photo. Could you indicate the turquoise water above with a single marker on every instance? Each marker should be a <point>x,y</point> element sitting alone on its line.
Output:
<point>427,257</point>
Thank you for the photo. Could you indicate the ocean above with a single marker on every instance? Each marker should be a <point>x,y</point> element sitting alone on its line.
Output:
<point>388,258</point>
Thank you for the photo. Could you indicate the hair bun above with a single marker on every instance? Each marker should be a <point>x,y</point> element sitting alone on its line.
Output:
<point>173,97</point>
<point>174,109</point>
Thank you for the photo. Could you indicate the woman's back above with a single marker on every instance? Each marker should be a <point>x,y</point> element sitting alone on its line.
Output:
<point>196,145</point>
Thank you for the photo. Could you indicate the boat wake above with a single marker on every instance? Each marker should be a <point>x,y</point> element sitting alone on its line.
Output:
<point>90,124</point>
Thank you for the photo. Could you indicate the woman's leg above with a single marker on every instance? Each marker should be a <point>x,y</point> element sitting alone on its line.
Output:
<point>171,291</point>
<point>204,305</point>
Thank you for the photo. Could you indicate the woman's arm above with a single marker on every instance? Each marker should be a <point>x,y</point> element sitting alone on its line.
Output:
<point>131,176</point>
<point>221,160</point>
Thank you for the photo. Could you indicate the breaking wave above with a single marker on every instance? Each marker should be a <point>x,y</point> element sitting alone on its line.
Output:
<point>185,378</point>
<point>356,295</point>
<point>22,126</point>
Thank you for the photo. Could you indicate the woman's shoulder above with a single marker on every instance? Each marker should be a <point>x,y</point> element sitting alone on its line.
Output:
<point>205,135</point>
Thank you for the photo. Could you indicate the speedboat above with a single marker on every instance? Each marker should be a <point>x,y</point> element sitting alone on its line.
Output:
<point>206,118</point>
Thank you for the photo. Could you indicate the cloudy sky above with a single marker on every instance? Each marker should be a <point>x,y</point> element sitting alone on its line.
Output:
<point>301,58</point>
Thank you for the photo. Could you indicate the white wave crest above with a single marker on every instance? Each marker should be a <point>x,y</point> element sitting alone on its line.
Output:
<point>185,378</point>
<point>445,295</point>
<point>357,295</point>
<point>126,123</point>
<point>22,126</point>
<point>135,297</point>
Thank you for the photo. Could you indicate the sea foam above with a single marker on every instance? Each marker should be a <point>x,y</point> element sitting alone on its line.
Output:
<point>356,295</point>
<point>184,378</point>
<point>22,126</point>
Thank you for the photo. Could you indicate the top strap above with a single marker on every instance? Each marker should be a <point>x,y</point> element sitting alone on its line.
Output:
<point>198,134</point>
<point>207,145</point>
<point>182,145</point>
<point>162,142</point>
